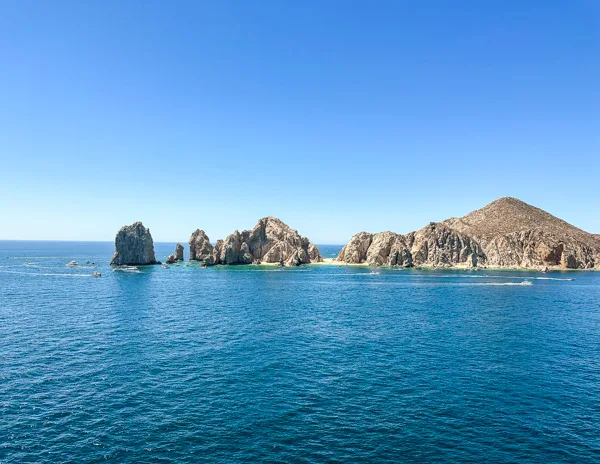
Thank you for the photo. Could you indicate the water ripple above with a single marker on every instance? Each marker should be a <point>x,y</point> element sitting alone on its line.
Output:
<point>319,364</point>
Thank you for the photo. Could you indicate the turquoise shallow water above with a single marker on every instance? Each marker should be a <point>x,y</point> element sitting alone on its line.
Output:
<point>314,364</point>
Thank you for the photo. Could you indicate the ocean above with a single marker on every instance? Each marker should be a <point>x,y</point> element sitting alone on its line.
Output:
<point>306,365</point>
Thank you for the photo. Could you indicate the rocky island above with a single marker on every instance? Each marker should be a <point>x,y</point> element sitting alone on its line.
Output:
<point>270,241</point>
<point>507,233</point>
<point>134,246</point>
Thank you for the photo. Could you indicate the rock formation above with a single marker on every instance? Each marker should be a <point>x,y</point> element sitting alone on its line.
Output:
<point>355,252</point>
<point>134,246</point>
<point>179,252</point>
<point>177,256</point>
<point>314,254</point>
<point>201,248</point>
<point>434,245</point>
<point>270,241</point>
<point>505,233</point>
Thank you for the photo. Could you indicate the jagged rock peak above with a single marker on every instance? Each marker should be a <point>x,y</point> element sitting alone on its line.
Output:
<point>270,241</point>
<point>133,246</point>
<point>201,248</point>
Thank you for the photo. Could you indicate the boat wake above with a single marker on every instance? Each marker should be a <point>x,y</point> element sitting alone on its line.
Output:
<point>488,276</point>
<point>47,274</point>
<point>525,283</point>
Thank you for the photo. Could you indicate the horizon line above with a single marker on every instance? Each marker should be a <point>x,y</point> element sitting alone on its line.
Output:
<point>112,241</point>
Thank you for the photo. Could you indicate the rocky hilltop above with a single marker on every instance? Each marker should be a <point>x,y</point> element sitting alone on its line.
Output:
<point>133,246</point>
<point>270,241</point>
<point>505,233</point>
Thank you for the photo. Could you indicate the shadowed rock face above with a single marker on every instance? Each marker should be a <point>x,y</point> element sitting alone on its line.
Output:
<point>133,246</point>
<point>200,248</point>
<point>505,233</point>
<point>178,252</point>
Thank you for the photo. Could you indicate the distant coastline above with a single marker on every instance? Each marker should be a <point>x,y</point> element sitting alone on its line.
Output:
<point>506,234</point>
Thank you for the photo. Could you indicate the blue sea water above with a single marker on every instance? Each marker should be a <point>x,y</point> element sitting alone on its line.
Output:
<point>308,365</point>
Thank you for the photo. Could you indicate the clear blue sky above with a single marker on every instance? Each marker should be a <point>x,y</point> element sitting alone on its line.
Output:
<point>335,116</point>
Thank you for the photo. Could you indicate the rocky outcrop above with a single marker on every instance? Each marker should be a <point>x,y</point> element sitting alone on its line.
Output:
<point>235,250</point>
<point>179,252</point>
<point>177,256</point>
<point>134,246</point>
<point>313,254</point>
<point>438,245</point>
<point>201,248</point>
<point>355,252</point>
<point>434,245</point>
<point>379,251</point>
<point>270,241</point>
<point>217,252</point>
<point>505,233</point>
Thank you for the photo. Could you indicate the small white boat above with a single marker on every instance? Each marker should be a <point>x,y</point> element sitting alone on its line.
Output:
<point>126,269</point>
<point>97,274</point>
<point>72,264</point>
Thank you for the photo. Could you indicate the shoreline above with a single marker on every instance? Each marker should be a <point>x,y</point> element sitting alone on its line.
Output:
<point>459,267</point>
<point>423,267</point>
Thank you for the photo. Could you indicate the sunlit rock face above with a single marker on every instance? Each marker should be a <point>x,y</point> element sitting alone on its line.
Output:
<point>201,248</point>
<point>270,241</point>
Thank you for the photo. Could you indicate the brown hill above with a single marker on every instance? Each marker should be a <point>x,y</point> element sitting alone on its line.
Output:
<point>509,215</point>
<point>506,233</point>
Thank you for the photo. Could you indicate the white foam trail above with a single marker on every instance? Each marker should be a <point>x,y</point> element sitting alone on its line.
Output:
<point>487,276</point>
<point>38,274</point>
<point>525,283</point>
<point>66,275</point>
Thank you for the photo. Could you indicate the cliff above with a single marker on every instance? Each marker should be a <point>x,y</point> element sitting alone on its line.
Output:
<point>505,233</point>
